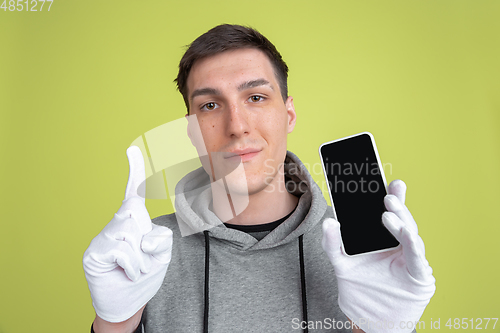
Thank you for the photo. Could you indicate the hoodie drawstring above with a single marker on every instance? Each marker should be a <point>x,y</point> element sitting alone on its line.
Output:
<point>302,281</point>
<point>207,271</point>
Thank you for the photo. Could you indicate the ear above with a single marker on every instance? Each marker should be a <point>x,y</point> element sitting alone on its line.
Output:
<point>188,129</point>
<point>292,116</point>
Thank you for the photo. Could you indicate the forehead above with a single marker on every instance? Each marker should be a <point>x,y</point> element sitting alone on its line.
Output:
<point>229,69</point>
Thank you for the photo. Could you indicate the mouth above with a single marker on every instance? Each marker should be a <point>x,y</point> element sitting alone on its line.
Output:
<point>244,154</point>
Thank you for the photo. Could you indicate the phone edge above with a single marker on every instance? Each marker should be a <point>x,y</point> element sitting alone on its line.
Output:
<point>379,162</point>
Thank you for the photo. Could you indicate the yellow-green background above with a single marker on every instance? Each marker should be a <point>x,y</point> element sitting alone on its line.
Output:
<point>79,83</point>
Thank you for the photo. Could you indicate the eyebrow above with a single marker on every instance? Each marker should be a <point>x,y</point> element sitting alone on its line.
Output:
<point>205,91</point>
<point>254,83</point>
<point>245,85</point>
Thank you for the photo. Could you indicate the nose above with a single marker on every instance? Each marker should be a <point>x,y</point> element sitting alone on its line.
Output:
<point>237,121</point>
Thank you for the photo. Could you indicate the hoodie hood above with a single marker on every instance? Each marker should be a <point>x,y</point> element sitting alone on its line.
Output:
<point>194,196</point>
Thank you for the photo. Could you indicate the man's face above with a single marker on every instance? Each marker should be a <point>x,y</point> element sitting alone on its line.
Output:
<point>237,100</point>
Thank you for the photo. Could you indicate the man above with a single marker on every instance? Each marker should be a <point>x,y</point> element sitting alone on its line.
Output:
<point>269,267</point>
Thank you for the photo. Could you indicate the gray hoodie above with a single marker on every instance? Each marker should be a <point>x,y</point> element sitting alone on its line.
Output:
<point>226,280</point>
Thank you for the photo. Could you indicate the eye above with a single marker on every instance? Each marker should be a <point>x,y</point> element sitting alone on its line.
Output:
<point>256,98</point>
<point>209,106</point>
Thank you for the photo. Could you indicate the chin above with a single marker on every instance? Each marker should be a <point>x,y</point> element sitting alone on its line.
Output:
<point>260,185</point>
<point>236,181</point>
<point>245,186</point>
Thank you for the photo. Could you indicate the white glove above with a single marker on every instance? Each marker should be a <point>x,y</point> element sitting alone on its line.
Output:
<point>383,291</point>
<point>125,264</point>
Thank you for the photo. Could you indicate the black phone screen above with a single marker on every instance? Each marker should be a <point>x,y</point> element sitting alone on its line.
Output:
<point>357,189</point>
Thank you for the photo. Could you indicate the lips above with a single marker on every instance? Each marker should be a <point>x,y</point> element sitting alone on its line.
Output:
<point>245,154</point>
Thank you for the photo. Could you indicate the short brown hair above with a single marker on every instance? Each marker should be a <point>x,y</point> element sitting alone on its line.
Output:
<point>230,37</point>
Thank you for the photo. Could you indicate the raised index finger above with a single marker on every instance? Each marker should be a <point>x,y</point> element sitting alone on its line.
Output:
<point>137,174</point>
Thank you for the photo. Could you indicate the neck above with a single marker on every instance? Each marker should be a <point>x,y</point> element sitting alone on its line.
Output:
<point>267,205</point>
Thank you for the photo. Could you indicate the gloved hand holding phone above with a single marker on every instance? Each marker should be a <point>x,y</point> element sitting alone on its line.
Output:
<point>383,291</point>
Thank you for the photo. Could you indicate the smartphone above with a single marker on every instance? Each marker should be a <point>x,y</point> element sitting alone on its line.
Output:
<point>357,187</point>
